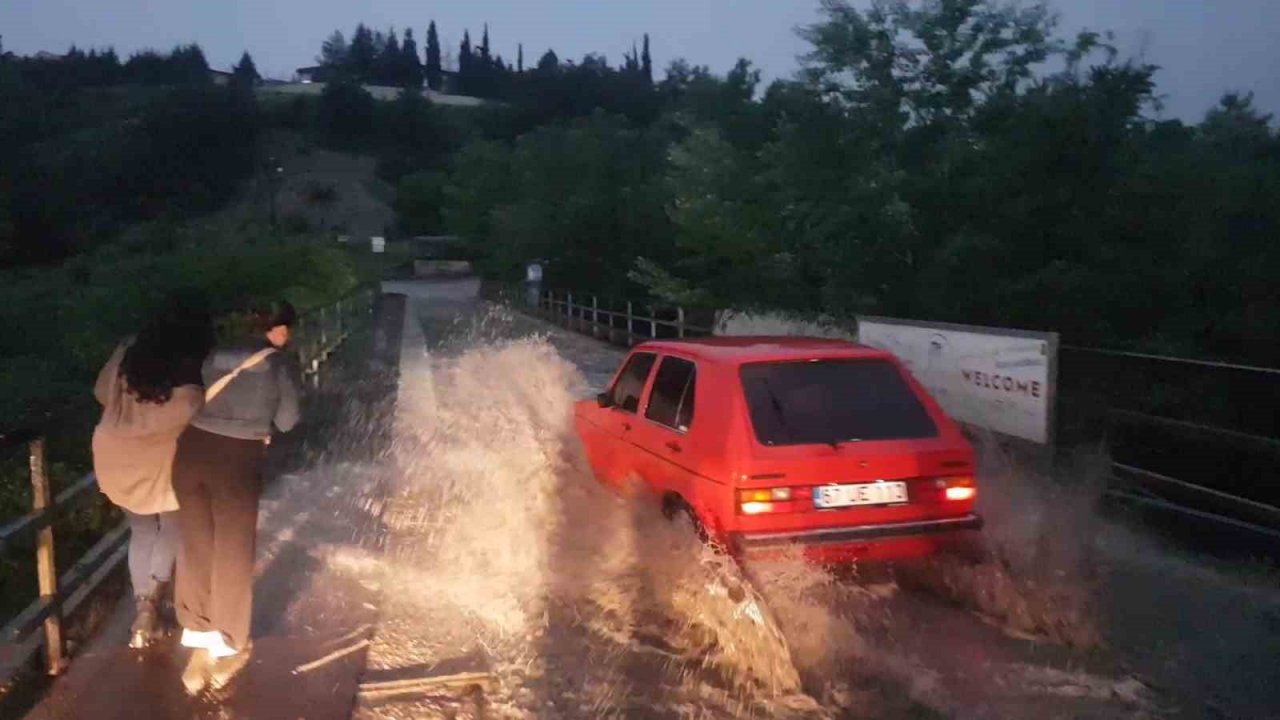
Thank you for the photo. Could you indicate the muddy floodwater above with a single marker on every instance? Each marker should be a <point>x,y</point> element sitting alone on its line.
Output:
<point>504,558</point>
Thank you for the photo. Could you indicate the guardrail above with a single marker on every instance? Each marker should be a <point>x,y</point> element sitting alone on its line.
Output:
<point>317,335</point>
<point>1194,438</point>
<point>621,322</point>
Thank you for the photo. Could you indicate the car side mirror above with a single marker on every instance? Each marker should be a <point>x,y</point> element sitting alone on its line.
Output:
<point>605,400</point>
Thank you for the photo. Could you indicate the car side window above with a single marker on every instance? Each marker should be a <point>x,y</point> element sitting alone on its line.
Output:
<point>671,402</point>
<point>627,389</point>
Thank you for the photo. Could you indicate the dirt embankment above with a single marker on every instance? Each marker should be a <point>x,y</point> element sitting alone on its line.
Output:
<point>317,190</point>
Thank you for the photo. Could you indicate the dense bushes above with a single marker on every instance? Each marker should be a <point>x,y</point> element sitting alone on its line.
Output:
<point>949,161</point>
<point>79,165</point>
<point>60,324</point>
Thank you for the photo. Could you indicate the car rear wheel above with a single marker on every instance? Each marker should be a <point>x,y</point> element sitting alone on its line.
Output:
<point>676,509</point>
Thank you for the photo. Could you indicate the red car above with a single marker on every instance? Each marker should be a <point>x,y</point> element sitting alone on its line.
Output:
<point>766,442</point>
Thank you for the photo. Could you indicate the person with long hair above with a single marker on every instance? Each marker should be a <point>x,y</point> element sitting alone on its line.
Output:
<point>251,389</point>
<point>149,391</point>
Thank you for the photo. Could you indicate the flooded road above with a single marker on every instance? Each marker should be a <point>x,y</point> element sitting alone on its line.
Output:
<point>505,561</point>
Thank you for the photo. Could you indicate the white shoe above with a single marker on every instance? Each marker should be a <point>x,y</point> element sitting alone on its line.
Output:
<point>201,640</point>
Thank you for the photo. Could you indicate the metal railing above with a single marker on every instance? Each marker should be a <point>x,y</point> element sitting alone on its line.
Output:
<point>1195,438</point>
<point>621,322</point>
<point>317,335</point>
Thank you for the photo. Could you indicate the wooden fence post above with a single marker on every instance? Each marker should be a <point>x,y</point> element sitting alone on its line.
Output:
<point>653,323</point>
<point>680,321</point>
<point>595,317</point>
<point>324,331</point>
<point>568,312</point>
<point>46,568</point>
<point>630,320</point>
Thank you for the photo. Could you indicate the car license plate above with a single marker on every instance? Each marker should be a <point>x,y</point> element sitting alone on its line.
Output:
<point>881,493</point>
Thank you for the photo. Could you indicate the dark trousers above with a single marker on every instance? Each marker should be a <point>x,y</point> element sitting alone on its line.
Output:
<point>218,481</point>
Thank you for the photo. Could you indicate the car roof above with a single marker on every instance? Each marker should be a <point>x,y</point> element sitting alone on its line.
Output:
<point>740,349</point>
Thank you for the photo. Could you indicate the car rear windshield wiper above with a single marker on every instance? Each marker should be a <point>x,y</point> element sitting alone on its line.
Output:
<point>777,406</point>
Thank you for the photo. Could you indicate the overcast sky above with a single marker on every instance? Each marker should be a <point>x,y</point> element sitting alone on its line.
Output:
<point>1204,46</point>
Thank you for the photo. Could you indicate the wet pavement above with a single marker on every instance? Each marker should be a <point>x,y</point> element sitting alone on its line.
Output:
<point>456,561</point>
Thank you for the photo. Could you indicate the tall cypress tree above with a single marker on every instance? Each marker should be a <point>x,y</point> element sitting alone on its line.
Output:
<point>389,61</point>
<point>466,63</point>
<point>484,48</point>
<point>435,73</point>
<point>410,63</point>
<point>360,56</point>
<point>646,61</point>
<point>245,73</point>
<point>520,59</point>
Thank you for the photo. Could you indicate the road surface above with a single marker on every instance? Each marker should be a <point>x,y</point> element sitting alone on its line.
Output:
<point>456,559</point>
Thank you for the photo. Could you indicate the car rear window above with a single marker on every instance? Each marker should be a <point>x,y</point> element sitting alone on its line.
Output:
<point>830,401</point>
<point>671,401</point>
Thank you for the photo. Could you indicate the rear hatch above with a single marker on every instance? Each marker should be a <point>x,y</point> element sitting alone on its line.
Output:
<point>845,442</point>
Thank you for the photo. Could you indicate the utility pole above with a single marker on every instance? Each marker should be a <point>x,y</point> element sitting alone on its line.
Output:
<point>274,175</point>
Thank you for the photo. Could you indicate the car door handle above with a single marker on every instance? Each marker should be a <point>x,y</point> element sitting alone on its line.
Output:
<point>626,427</point>
<point>674,446</point>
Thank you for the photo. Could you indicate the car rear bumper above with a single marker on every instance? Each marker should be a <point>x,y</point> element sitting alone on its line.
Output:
<point>856,534</point>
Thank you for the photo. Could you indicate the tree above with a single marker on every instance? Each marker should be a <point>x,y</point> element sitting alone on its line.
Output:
<point>333,53</point>
<point>388,67</point>
<point>646,61</point>
<point>345,113</point>
<point>632,61</point>
<point>484,47</point>
<point>411,64</point>
<point>434,70</point>
<point>520,58</point>
<point>549,63</point>
<point>361,56</point>
<point>466,64</point>
<point>245,73</point>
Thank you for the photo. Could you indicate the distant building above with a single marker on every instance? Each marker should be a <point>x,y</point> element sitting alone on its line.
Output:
<point>314,74</point>
<point>220,78</point>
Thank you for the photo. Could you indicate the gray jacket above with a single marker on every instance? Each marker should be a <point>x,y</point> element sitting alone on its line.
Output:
<point>261,396</point>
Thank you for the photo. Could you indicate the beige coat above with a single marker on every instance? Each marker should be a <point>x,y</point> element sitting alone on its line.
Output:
<point>134,443</point>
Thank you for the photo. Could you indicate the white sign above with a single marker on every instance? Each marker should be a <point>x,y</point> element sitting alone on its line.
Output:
<point>1001,380</point>
<point>533,273</point>
<point>378,244</point>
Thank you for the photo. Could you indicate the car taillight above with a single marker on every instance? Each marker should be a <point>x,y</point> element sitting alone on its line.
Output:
<point>766,500</point>
<point>957,489</point>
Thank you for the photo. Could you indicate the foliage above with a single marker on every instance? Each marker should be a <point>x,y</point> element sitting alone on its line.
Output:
<point>419,198</point>
<point>79,161</point>
<point>433,69</point>
<point>952,160</point>
<point>344,115</point>
<point>62,322</point>
<point>245,74</point>
<point>577,197</point>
